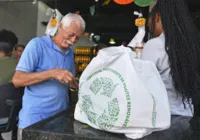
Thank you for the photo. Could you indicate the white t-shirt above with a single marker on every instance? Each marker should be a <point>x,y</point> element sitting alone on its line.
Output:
<point>154,50</point>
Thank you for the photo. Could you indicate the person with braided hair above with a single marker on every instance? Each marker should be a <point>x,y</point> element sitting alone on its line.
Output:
<point>175,52</point>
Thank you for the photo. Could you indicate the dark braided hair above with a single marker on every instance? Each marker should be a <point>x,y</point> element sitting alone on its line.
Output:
<point>152,15</point>
<point>182,44</point>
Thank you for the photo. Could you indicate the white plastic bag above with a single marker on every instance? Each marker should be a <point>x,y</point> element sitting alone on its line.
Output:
<point>120,94</point>
<point>51,30</point>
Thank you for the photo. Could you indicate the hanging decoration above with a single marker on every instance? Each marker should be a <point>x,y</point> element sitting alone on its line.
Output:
<point>106,2</point>
<point>123,2</point>
<point>91,36</point>
<point>143,3</point>
<point>53,21</point>
<point>97,37</point>
<point>49,12</point>
<point>112,41</point>
<point>140,22</point>
<point>138,38</point>
<point>92,10</point>
<point>140,3</point>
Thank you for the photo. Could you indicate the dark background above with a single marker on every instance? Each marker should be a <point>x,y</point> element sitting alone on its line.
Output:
<point>112,20</point>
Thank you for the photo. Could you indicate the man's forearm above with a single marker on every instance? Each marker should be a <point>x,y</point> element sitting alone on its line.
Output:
<point>21,79</point>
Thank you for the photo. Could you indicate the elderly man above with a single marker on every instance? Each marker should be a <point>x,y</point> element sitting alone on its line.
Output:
<point>46,68</point>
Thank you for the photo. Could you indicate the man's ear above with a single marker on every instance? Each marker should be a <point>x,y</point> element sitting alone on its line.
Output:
<point>60,26</point>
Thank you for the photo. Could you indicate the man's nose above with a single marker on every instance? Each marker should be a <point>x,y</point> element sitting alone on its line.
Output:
<point>73,39</point>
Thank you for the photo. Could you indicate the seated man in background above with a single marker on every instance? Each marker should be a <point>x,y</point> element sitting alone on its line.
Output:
<point>7,64</point>
<point>7,90</point>
<point>18,51</point>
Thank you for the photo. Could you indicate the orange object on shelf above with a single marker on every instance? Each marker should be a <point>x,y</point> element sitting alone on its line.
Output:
<point>123,2</point>
<point>83,56</point>
<point>94,52</point>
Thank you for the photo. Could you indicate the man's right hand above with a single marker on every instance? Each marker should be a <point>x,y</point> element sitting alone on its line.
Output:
<point>64,76</point>
<point>21,79</point>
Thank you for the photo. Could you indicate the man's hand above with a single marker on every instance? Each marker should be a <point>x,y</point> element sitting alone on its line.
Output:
<point>65,76</point>
<point>73,84</point>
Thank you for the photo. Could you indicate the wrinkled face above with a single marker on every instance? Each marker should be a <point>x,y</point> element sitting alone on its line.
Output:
<point>18,52</point>
<point>69,35</point>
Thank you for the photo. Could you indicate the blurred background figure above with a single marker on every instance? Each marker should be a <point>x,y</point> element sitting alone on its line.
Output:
<point>18,51</point>
<point>100,46</point>
<point>7,64</point>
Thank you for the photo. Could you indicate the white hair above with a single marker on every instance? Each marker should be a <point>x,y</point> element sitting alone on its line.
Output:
<point>69,18</point>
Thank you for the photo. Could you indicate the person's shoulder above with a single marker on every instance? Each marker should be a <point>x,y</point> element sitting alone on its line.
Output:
<point>12,61</point>
<point>157,42</point>
<point>39,39</point>
<point>37,42</point>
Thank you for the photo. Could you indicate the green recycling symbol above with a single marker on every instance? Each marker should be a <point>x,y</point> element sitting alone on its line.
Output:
<point>105,86</point>
<point>105,83</point>
<point>107,119</point>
